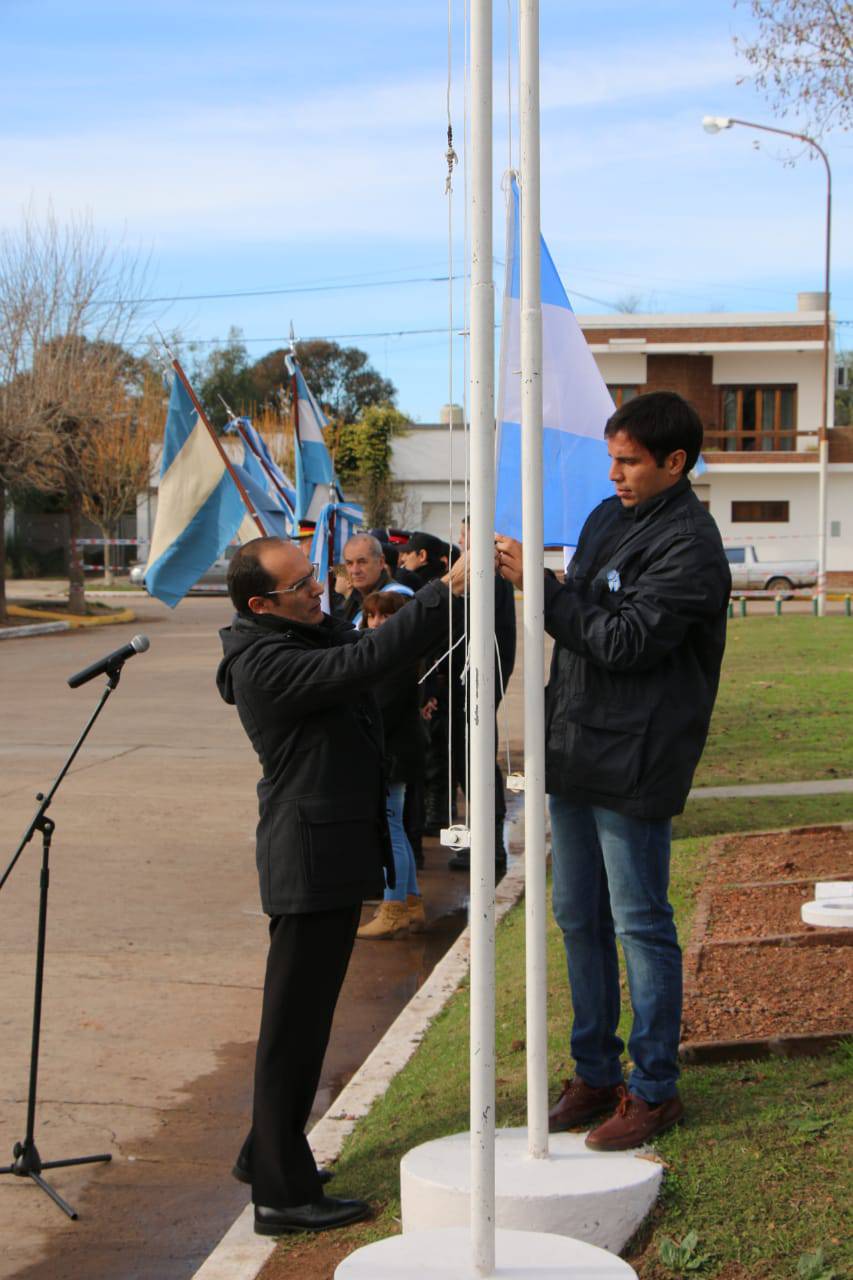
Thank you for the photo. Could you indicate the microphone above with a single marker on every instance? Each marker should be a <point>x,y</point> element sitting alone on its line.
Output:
<point>112,663</point>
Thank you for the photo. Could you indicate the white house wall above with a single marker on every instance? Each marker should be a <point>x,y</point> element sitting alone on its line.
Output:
<point>797,538</point>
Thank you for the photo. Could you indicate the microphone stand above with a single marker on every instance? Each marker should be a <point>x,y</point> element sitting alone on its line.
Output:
<point>27,1161</point>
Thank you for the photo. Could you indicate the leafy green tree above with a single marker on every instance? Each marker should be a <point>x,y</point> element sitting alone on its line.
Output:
<point>340,377</point>
<point>362,452</point>
<point>225,374</point>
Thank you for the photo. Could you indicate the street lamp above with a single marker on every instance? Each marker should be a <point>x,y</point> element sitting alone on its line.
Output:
<point>716,124</point>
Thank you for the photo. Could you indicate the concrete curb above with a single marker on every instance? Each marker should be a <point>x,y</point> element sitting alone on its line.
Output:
<point>72,620</point>
<point>36,629</point>
<point>241,1254</point>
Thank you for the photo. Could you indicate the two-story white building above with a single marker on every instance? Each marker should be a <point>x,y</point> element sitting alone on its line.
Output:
<point>756,381</point>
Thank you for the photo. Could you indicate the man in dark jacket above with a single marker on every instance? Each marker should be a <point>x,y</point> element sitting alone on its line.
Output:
<point>639,626</point>
<point>301,683</point>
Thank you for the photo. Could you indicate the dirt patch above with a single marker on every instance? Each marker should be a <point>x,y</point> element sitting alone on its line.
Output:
<point>821,853</point>
<point>748,992</point>
<point>760,911</point>
<point>755,887</point>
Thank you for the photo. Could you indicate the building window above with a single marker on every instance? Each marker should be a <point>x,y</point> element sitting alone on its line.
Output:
<point>760,513</point>
<point>756,419</point>
<point>621,395</point>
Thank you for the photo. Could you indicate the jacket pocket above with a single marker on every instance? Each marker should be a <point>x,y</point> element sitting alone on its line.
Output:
<point>603,751</point>
<point>341,844</point>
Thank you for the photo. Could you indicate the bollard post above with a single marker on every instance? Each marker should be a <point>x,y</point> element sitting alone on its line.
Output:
<point>816,606</point>
<point>778,603</point>
<point>847,608</point>
<point>732,607</point>
<point>743,606</point>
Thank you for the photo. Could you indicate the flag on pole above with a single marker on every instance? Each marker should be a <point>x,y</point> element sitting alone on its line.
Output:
<point>312,463</point>
<point>336,524</point>
<point>275,477</point>
<point>575,406</point>
<point>276,518</point>
<point>199,507</point>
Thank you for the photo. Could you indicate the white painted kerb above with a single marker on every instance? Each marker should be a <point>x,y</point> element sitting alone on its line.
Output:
<point>600,1198</point>
<point>446,1255</point>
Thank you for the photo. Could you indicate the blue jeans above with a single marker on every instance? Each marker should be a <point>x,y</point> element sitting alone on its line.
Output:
<point>610,879</point>
<point>404,860</point>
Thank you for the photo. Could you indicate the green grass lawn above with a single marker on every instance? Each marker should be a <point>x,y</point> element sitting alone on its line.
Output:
<point>783,710</point>
<point>757,1183</point>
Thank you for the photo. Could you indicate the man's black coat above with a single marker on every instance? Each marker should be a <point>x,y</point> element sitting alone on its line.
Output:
<point>640,626</point>
<point>304,697</point>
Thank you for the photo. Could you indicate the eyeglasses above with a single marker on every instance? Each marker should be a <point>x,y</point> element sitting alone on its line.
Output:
<point>297,586</point>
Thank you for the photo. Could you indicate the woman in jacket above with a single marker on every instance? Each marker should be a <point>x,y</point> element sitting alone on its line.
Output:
<point>401,910</point>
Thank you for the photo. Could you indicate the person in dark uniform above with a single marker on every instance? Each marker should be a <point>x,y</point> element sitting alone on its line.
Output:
<point>301,682</point>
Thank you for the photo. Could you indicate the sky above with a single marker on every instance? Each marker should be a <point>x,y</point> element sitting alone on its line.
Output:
<point>297,153</point>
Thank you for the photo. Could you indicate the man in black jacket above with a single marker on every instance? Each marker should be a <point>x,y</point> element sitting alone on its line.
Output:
<point>639,626</point>
<point>301,683</point>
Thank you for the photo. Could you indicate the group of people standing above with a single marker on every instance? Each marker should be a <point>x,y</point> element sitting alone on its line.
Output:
<point>638,625</point>
<point>423,706</point>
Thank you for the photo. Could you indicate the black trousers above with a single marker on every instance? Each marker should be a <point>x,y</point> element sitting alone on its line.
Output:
<point>306,966</point>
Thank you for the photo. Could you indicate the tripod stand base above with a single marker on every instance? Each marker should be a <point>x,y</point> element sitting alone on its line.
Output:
<point>29,1164</point>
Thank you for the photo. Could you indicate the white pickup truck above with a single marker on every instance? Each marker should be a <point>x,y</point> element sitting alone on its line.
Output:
<point>751,574</point>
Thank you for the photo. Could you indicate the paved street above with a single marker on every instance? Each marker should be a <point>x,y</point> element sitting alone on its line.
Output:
<point>155,952</point>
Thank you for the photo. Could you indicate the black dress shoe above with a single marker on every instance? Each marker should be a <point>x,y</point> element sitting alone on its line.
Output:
<point>322,1215</point>
<point>243,1173</point>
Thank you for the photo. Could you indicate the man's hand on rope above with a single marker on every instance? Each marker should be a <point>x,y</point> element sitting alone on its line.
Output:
<point>508,560</point>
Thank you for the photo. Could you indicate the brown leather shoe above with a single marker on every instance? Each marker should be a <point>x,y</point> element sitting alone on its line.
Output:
<point>634,1123</point>
<point>579,1103</point>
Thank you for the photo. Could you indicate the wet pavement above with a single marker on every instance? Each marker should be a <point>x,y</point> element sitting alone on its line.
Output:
<point>157,1215</point>
<point>155,954</point>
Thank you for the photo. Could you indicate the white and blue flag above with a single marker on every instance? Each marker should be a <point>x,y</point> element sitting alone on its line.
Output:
<point>575,407</point>
<point>336,524</point>
<point>312,462</point>
<point>275,480</point>
<point>275,517</point>
<point>199,508</point>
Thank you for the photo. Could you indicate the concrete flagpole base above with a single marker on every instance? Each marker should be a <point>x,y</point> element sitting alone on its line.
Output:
<point>446,1255</point>
<point>600,1199</point>
<point>831,913</point>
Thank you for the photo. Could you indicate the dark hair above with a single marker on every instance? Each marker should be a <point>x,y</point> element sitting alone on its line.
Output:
<point>247,577</point>
<point>384,603</point>
<point>661,421</point>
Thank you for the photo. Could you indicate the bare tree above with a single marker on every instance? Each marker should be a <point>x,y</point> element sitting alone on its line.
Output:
<point>69,305</point>
<point>802,57</point>
<point>116,460</point>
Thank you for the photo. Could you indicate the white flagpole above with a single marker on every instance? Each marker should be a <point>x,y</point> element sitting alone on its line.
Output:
<point>481,692</point>
<point>532,525</point>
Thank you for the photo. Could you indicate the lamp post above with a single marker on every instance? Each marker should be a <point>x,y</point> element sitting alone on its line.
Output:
<point>715,124</point>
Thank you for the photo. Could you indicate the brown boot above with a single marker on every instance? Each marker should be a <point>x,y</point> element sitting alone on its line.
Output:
<point>390,921</point>
<point>415,908</point>
<point>579,1103</point>
<point>635,1123</point>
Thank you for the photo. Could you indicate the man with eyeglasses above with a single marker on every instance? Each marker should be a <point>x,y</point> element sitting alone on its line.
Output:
<point>301,682</point>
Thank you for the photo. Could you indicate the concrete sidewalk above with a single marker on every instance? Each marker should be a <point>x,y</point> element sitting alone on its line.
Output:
<point>820,787</point>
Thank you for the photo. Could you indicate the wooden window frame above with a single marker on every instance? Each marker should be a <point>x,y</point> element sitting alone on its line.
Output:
<point>782,439</point>
<point>617,392</point>
<point>762,511</point>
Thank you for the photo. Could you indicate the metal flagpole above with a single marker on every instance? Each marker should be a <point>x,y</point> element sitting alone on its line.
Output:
<point>533,535</point>
<point>481,692</point>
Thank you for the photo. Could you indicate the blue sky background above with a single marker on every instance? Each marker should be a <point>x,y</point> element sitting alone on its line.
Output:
<point>282,146</point>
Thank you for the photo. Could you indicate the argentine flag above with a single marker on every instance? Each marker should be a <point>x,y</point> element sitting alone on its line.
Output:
<point>312,463</point>
<point>199,508</point>
<point>281,483</point>
<point>275,516</point>
<point>575,407</point>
